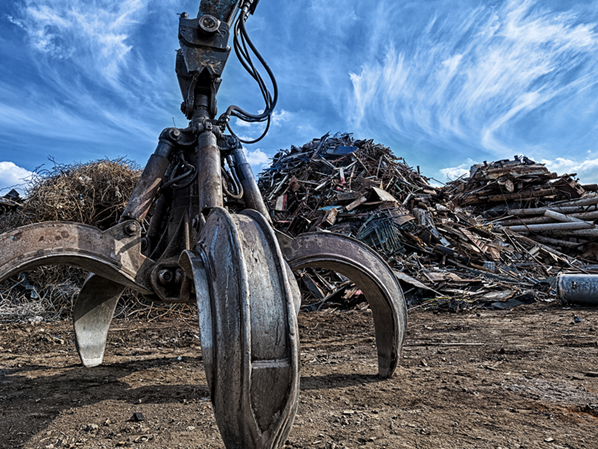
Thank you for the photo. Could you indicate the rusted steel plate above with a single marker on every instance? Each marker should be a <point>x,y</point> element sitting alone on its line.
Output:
<point>371,274</point>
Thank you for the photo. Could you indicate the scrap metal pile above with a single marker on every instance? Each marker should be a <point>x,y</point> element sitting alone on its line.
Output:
<point>10,202</point>
<point>474,241</point>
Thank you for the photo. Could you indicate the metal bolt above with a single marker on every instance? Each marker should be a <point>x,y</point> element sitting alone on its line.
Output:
<point>165,277</point>
<point>131,228</point>
<point>179,276</point>
<point>209,24</point>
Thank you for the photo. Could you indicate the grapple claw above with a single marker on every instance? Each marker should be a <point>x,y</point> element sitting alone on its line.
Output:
<point>372,275</point>
<point>114,253</point>
<point>92,315</point>
<point>248,328</point>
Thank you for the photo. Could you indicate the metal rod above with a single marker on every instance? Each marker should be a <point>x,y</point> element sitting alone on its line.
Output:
<point>550,227</point>
<point>541,210</point>
<point>145,191</point>
<point>210,172</point>
<point>251,192</point>
<point>556,242</point>
<point>581,201</point>
<point>564,218</point>
<point>544,219</point>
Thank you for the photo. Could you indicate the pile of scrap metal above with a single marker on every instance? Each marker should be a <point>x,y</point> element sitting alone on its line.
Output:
<point>523,197</point>
<point>337,183</point>
<point>10,202</point>
<point>497,186</point>
<point>447,249</point>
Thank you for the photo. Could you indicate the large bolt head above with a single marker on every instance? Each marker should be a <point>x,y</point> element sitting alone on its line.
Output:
<point>209,24</point>
<point>165,277</point>
<point>131,228</point>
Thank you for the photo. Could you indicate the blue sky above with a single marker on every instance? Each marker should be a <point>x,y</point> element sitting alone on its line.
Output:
<point>443,83</point>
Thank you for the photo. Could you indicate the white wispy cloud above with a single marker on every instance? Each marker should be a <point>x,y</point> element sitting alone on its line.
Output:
<point>257,159</point>
<point>452,173</point>
<point>278,118</point>
<point>474,74</point>
<point>587,170</point>
<point>94,34</point>
<point>13,176</point>
<point>97,80</point>
<point>255,129</point>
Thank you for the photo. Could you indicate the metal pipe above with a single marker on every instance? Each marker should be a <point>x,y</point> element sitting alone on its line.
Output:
<point>564,218</point>
<point>210,171</point>
<point>521,221</point>
<point>251,193</point>
<point>544,219</point>
<point>585,201</point>
<point>578,288</point>
<point>541,210</point>
<point>550,227</point>
<point>582,233</point>
<point>556,242</point>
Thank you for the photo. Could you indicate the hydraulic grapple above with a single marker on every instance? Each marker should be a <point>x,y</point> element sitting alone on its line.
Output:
<point>178,242</point>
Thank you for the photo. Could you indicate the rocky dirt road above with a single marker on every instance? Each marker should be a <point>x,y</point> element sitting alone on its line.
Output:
<point>523,378</point>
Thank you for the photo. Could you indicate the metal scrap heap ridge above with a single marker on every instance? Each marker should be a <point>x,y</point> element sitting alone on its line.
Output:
<point>499,237</point>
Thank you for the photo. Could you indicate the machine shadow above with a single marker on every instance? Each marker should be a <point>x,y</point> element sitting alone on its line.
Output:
<point>331,381</point>
<point>45,398</point>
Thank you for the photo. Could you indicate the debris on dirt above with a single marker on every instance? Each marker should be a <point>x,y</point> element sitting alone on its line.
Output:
<point>137,417</point>
<point>519,372</point>
<point>463,245</point>
<point>94,193</point>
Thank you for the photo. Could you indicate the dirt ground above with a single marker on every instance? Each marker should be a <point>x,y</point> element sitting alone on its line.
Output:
<point>521,378</point>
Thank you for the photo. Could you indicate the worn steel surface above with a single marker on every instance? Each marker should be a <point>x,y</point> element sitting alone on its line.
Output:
<point>578,288</point>
<point>92,315</point>
<point>210,171</point>
<point>371,274</point>
<point>222,9</point>
<point>248,329</point>
<point>145,191</point>
<point>114,254</point>
<point>252,196</point>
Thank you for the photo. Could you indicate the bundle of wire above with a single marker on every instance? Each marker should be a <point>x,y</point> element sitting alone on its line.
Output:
<point>243,45</point>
